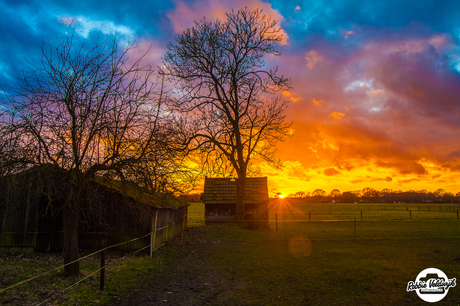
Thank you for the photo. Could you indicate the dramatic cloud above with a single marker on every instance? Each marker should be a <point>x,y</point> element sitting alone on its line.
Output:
<point>375,100</point>
<point>186,12</point>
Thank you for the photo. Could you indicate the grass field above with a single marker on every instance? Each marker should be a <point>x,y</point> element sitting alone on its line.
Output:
<point>322,265</point>
<point>314,257</point>
<point>308,261</point>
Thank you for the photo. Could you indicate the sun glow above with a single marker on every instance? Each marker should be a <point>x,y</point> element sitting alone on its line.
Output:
<point>281,196</point>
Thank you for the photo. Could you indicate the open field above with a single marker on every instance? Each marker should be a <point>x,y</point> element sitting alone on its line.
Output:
<point>314,257</point>
<point>285,211</point>
<point>303,263</point>
<point>228,265</point>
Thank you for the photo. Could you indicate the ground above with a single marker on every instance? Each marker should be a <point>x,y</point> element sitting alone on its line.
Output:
<point>336,258</point>
<point>188,280</point>
<point>316,263</point>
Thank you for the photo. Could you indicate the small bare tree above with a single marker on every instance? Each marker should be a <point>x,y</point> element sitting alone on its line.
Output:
<point>90,110</point>
<point>225,90</point>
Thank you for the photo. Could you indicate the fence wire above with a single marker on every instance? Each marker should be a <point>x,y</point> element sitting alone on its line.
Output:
<point>153,232</point>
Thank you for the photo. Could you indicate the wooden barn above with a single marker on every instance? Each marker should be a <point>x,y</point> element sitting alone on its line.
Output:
<point>31,213</point>
<point>219,197</point>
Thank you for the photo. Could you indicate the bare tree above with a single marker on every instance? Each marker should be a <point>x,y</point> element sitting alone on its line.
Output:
<point>89,109</point>
<point>226,89</point>
<point>335,193</point>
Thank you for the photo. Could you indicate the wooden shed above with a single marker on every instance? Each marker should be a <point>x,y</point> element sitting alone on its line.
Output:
<point>31,213</point>
<point>220,196</point>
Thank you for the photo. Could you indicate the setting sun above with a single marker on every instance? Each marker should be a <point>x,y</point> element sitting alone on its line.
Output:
<point>281,196</point>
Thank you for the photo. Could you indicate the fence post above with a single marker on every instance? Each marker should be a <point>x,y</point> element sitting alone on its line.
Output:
<point>153,235</point>
<point>102,279</point>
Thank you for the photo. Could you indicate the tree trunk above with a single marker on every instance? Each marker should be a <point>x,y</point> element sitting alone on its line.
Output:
<point>240,192</point>
<point>70,227</point>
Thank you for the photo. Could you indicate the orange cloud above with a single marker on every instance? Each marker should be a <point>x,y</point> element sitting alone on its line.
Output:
<point>336,115</point>
<point>292,96</point>
<point>317,102</point>
<point>331,172</point>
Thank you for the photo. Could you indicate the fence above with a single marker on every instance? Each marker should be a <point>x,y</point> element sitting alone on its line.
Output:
<point>354,221</point>
<point>161,232</point>
<point>125,229</point>
<point>282,212</point>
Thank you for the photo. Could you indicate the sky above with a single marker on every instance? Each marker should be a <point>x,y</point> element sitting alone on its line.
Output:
<point>375,100</point>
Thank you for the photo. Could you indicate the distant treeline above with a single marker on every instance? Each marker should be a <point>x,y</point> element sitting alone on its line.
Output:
<point>371,195</point>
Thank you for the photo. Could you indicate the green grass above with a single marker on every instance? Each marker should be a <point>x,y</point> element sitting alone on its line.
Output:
<point>195,215</point>
<point>319,262</point>
<point>288,209</point>
<point>318,266</point>
<point>122,277</point>
<point>305,262</point>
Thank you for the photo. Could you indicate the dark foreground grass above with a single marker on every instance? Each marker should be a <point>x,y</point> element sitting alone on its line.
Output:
<point>303,263</point>
<point>124,274</point>
<point>288,268</point>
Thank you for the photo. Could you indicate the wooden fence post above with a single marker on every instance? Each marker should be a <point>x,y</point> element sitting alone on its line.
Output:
<point>102,279</point>
<point>153,235</point>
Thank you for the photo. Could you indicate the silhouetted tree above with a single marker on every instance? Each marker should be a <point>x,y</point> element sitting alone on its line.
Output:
<point>299,194</point>
<point>224,90</point>
<point>318,193</point>
<point>90,111</point>
<point>335,193</point>
<point>439,192</point>
<point>347,197</point>
<point>369,193</point>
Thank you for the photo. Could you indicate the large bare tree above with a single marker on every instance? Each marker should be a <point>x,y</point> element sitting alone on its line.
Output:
<point>226,90</point>
<point>91,110</point>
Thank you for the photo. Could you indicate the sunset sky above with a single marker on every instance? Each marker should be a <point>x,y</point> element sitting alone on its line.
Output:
<point>376,84</point>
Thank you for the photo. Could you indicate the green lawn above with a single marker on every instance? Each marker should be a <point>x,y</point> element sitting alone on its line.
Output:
<point>304,262</point>
<point>319,262</point>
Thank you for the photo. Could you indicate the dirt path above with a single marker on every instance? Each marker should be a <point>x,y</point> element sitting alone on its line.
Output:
<point>188,279</point>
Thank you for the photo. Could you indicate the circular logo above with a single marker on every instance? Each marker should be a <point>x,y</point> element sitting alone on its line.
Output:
<point>431,285</point>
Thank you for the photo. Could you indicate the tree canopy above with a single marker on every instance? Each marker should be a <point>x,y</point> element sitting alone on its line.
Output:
<point>89,109</point>
<point>226,90</point>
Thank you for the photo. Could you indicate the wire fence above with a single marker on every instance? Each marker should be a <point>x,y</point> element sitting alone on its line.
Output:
<point>156,240</point>
<point>339,221</point>
<point>285,213</point>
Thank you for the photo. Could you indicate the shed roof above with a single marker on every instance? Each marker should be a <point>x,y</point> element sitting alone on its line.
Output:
<point>157,200</point>
<point>223,190</point>
<point>55,179</point>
